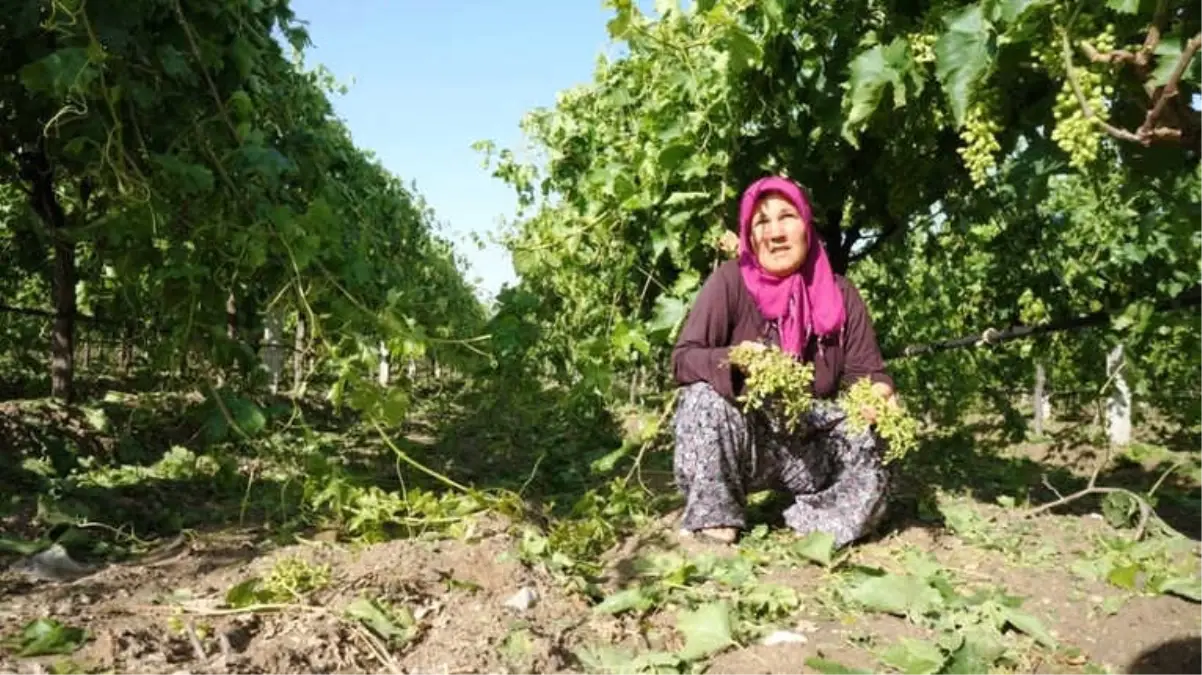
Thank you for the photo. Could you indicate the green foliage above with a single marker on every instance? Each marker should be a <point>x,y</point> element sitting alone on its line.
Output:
<point>1150,567</point>
<point>775,383</point>
<point>187,164</point>
<point>893,423</point>
<point>395,625</point>
<point>289,580</point>
<point>971,628</point>
<point>44,636</point>
<point>191,162</point>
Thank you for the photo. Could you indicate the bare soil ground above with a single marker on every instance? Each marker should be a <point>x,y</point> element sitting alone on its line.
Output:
<point>457,591</point>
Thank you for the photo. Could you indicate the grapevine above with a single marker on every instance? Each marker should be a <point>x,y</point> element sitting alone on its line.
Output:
<point>725,241</point>
<point>775,382</point>
<point>898,429</point>
<point>980,142</point>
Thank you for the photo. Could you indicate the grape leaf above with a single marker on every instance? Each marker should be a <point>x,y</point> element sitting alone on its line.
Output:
<point>914,657</point>
<point>1009,11</point>
<point>899,594</point>
<point>1031,626</point>
<point>45,636</point>
<point>669,311</point>
<point>96,417</point>
<point>963,55</point>
<point>977,652</point>
<point>1124,576</point>
<point>244,594</point>
<point>395,627</point>
<point>706,630</point>
<point>1168,52</point>
<point>615,660</point>
<point>745,51</point>
<point>671,156</point>
<point>817,547</point>
<point>625,600</point>
<point>1189,587</point>
<point>829,667</point>
<point>871,72</point>
<point>59,72</point>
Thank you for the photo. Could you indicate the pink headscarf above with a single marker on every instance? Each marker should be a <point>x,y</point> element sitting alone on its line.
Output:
<point>816,301</point>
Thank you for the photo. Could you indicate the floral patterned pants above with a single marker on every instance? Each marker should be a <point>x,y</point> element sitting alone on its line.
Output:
<point>835,476</point>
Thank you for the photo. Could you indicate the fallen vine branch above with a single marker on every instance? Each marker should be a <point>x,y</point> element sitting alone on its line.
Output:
<point>373,644</point>
<point>232,611</point>
<point>1147,514</point>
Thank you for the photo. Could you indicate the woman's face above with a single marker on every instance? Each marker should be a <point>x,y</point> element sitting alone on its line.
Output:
<point>778,236</point>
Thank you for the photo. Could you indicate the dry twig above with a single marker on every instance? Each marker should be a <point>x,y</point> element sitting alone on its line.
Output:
<point>637,468</point>
<point>1149,131</point>
<point>377,649</point>
<point>197,647</point>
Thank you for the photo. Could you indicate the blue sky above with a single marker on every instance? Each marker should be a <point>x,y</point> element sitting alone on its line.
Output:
<point>428,78</point>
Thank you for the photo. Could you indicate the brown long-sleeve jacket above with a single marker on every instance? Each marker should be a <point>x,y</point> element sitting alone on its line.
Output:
<point>725,314</point>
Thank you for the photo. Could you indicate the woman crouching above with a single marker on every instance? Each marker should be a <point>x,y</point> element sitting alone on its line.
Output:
<point>779,291</point>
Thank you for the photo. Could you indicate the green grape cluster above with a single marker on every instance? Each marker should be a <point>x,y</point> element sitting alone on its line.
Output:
<point>1074,132</point>
<point>894,425</point>
<point>922,47</point>
<point>1048,55</point>
<point>1106,40</point>
<point>775,382</point>
<point>980,142</point>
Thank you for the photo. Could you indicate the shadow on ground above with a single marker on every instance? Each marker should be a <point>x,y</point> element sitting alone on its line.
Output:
<point>519,436</point>
<point>1182,655</point>
<point>141,468</point>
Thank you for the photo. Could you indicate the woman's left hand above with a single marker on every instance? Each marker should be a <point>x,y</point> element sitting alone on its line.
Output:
<point>885,390</point>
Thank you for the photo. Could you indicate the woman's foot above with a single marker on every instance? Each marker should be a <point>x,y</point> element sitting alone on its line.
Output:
<point>721,535</point>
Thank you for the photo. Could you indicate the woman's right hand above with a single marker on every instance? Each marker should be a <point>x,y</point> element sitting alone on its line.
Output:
<point>752,344</point>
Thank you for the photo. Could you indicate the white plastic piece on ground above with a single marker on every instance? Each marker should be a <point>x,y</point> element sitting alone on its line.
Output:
<point>782,637</point>
<point>523,599</point>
